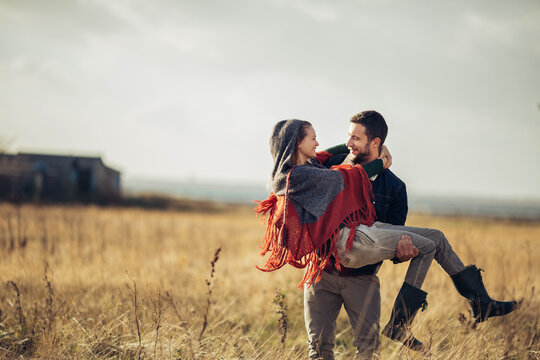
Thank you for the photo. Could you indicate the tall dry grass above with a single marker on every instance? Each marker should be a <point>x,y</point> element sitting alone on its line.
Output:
<point>94,283</point>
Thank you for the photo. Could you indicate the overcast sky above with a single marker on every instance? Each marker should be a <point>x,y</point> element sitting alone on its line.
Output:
<point>191,89</point>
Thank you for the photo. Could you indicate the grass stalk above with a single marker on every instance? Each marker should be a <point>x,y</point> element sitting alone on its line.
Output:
<point>209,288</point>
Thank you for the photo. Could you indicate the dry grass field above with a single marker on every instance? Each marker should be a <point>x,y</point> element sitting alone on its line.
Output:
<point>95,283</point>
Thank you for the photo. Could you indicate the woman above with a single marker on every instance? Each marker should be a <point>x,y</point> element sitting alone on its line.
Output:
<point>315,214</point>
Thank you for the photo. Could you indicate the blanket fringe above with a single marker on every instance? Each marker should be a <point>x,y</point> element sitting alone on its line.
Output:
<point>265,205</point>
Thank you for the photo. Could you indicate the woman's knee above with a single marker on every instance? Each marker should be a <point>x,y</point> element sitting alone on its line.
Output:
<point>442,241</point>
<point>439,234</point>
<point>428,247</point>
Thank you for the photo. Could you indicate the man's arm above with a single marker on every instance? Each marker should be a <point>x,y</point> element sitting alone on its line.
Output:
<point>397,214</point>
<point>397,211</point>
<point>405,249</point>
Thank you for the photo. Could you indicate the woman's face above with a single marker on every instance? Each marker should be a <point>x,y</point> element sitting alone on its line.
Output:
<point>308,146</point>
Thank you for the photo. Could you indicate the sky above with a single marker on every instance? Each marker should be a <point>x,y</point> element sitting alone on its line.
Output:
<point>191,89</point>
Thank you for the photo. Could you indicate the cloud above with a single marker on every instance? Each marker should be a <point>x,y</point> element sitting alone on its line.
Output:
<point>149,82</point>
<point>323,11</point>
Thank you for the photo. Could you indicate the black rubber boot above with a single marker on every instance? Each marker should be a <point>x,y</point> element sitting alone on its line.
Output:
<point>407,303</point>
<point>470,285</point>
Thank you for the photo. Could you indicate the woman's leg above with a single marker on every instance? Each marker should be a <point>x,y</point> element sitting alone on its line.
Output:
<point>373,244</point>
<point>379,242</point>
<point>444,254</point>
<point>468,280</point>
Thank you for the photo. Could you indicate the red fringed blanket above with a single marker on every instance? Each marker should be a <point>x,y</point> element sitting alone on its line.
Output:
<point>291,239</point>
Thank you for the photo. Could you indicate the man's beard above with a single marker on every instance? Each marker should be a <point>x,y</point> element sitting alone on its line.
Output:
<point>362,157</point>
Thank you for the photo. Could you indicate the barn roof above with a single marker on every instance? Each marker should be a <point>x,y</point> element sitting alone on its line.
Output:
<point>56,159</point>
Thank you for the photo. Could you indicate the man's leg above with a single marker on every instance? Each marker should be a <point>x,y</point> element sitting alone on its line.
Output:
<point>362,299</point>
<point>322,302</point>
<point>410,297</point>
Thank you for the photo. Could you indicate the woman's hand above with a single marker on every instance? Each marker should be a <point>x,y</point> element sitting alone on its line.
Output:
<point>386,157</point>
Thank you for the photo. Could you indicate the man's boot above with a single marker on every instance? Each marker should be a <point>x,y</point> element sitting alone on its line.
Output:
<point>469,284</point>
<point>407,303</point>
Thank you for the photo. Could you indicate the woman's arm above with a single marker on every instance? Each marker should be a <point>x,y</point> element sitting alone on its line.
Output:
<point>338,149</point>
<point>374,167</point>
<point>323,156</point>
<point>385,153</point>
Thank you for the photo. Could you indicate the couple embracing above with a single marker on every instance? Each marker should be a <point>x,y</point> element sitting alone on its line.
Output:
<point>339,213</point>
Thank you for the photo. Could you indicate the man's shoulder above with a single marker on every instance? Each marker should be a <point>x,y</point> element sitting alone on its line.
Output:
<point>390,175</point>
<point>391,179</point>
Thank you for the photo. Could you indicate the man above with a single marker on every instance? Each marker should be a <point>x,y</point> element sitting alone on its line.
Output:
<point>357,289</point>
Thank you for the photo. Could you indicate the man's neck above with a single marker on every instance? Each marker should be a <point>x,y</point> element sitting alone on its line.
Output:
<point>373,155</point>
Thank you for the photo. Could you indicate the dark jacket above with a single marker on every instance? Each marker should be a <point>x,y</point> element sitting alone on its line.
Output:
<point>390,204</point>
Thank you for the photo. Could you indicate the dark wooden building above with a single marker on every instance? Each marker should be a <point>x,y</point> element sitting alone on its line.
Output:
<point>41,177</point>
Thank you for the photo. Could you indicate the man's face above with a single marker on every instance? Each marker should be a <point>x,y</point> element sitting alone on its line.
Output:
<point>359,144</point>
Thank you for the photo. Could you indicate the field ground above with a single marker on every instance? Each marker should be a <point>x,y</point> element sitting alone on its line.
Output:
<point>92,283</point>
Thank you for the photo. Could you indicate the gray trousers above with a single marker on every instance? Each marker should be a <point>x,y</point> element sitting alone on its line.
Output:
<point>322,302</point>
<point>360,294</point>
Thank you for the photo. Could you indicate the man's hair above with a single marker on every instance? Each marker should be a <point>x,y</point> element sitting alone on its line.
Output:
<point>374,123</point>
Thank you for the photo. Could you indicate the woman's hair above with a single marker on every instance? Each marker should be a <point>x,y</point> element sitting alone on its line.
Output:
<point>301,135</point>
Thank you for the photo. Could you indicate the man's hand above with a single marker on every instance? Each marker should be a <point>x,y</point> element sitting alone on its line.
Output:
<point>405,249</point>
<point>386,157</point>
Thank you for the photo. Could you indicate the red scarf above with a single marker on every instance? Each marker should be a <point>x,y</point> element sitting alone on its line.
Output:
<point>312,245</point>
